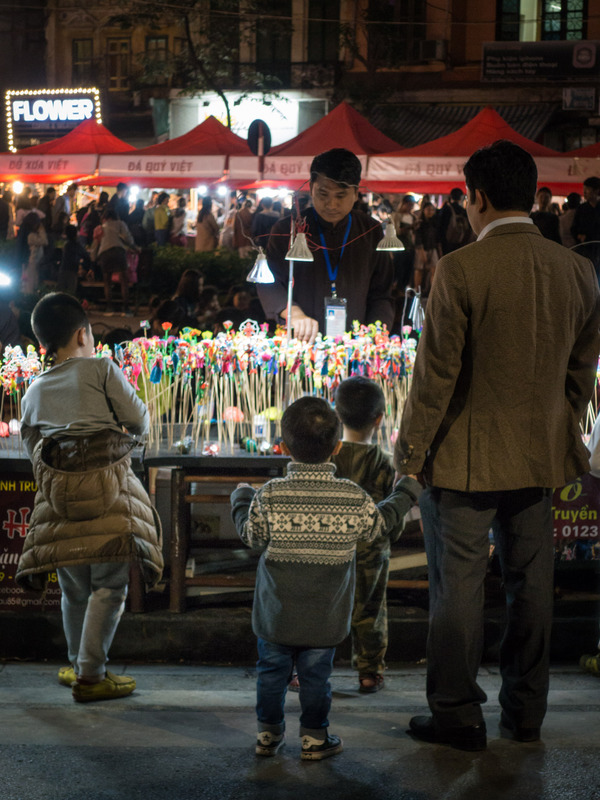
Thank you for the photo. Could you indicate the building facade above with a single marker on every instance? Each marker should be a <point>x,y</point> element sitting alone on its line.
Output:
<point>417,70</point>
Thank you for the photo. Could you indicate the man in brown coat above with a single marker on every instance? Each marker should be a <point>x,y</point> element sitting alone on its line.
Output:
<point>504,371</point>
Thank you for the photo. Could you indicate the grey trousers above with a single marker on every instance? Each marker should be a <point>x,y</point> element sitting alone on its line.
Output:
<point>456,530</point>
<point>92,602</point>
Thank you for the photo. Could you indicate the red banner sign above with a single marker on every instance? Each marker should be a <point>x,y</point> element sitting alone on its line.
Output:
<point>17,494</point>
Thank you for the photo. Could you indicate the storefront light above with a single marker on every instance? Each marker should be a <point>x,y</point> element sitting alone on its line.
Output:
<point>18,187</point>
<point>202,190</point>
<point>222,191</point>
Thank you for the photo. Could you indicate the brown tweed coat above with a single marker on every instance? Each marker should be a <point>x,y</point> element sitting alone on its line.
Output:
<point>505,367</point>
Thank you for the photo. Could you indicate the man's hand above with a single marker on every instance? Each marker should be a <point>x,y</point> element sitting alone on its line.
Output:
<point>305,328</point>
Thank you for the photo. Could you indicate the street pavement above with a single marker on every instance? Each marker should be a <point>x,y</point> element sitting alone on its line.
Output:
<point>188,732</point>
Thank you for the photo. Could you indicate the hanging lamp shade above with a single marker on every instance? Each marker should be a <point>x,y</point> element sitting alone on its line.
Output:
<point>390,241</point>
<point>261,272</point>
<point>299,250</point>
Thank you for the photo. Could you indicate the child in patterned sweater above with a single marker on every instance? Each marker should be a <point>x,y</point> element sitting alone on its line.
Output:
<point>307,524</point>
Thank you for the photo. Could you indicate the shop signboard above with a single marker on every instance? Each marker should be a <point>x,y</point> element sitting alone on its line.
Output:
<point>450,168</point>
<point>16,165</point>
<point>541,61</point>
<point>39,115</point>
<point>135,165</point>
<point>17,494</point>
<point>576,520</point>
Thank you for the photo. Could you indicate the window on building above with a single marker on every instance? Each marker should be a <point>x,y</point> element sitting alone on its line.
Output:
<point>561,20</point>
<point>323,31</point>
<point>398,42</point>
<point>508,20</point>
<point>224,32</point>
<point>119,64</point>
<point>564,19</point>
<point>274,40</point>
<point>82,52</point>
<point>181,62</point>
<point>157,54</point>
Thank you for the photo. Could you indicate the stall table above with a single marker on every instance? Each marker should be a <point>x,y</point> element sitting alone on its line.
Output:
<point>225,470</point>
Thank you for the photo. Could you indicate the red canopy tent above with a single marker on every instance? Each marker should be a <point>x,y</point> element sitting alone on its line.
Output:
<point>436,166</point>
<point>289,162</point>
<point>201,155</point>
<point>586,163</point>
<point>67,158</point>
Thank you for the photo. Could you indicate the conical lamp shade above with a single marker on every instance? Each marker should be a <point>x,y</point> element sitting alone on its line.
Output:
<point>390,241</point>
<point>299,250</point>
<point>260,272</point>
<point>416,313</point>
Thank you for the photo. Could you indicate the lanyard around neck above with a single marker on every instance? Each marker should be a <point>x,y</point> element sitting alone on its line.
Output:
<point>333,271</point>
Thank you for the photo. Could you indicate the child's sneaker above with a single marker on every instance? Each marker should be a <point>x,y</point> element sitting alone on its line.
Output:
<point>67,676</point>
<point>111,687</point>
<point>316,749</point>
<point>268,744</point>
<point>590,664</point>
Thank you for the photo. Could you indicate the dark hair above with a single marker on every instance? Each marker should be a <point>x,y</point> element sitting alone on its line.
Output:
<point>593,183</point>
<point>169,311</point>
<point>311,429</point>
<point>573,200</point>
<point>109,213</point>
<point>545,189</point>
<point>206,208</point>
<point>505,173</point>
<point>456,194</point>
<point>103,198</point>
<point>206,296</point>
<point>71,232</point>
<point>121,186</point>
<point>188,285</point>
<point>267,202</point>
<point>72,187</point>
<point>55,319</point>
<point>162,197</point>
<point>358,402</point>
<point>339,165</point>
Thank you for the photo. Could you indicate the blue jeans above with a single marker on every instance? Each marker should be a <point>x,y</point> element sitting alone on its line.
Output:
<point>274,670</point>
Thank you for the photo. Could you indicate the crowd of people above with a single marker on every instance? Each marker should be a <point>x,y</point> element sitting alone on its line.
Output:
<point>65,240</point>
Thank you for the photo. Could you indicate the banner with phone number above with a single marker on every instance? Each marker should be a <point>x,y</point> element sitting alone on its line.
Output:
<point>17,494</point>
<point>576,518</point>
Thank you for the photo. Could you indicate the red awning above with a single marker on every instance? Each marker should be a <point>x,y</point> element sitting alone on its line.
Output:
<point>88,137</point>
<point>209,138</point>
<point>199,156</point>
<point>68,158</point>
<point>484,129</point>
<point>342,127</point>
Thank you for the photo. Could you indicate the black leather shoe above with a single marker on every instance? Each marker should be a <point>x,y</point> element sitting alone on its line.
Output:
<point>518,732</point>
<point>467,737</point>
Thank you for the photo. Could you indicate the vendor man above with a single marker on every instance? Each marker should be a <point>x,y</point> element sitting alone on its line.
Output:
<point>348,279</point>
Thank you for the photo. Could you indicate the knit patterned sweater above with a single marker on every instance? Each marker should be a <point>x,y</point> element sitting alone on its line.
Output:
<point>308,524</point>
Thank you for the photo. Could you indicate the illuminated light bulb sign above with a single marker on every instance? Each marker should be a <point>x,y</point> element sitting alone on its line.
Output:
<point>43,114</point>
<point>42,110</point>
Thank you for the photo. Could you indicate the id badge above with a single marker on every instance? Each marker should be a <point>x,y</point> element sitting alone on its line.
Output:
<point>335,316</point>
